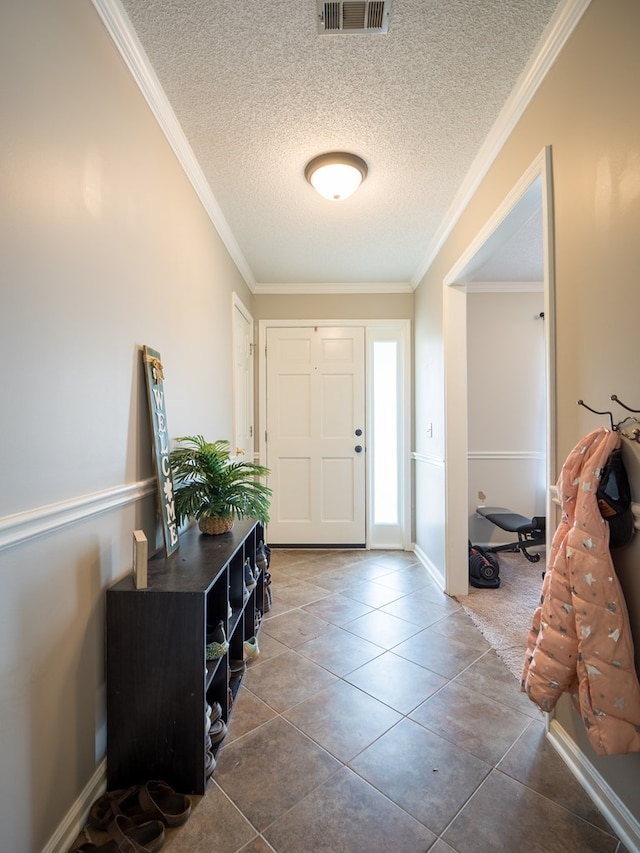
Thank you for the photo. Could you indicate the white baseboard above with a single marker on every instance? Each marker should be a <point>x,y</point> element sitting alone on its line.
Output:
<point>621,820</point>
<point>429,566</point>
<point>76,818</point>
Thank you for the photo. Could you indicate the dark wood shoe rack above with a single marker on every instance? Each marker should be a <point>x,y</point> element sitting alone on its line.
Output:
<point>159,682</point>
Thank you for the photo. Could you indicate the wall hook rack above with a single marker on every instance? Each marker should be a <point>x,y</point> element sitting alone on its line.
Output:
<point>617,400</point>
<point>614,427</point>
<point>633,434</point>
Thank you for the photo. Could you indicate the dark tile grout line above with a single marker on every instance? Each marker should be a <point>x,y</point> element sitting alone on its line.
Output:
<point>244,816</point>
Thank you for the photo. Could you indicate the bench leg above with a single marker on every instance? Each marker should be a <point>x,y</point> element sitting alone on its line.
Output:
<point>533,558</point>
<point>521,545</point>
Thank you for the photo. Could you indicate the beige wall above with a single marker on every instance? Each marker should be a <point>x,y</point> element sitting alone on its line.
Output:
<point>365,306</point>
<point>586,110</point>
<point>104,247</point>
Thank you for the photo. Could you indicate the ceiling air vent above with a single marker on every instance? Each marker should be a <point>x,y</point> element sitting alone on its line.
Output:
<point>354,16</point>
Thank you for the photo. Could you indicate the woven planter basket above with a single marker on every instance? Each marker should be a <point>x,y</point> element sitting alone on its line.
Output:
<point>214,526</point>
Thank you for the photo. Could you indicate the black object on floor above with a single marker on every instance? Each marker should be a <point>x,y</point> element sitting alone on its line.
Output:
<point>484,568</point>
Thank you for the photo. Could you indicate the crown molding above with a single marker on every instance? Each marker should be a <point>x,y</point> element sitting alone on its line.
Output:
<point>125,39</point>
<point>561,26</point>
<point>333,287</point>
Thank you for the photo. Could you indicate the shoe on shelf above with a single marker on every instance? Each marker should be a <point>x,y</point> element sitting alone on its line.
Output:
<point>217,731</point>
<point>238,669</point>
<point>217,644</point>
<point>215,713</point>
<point>262,556</point>
<point>209,763</point>
<point>250,648</point>
<point>249,579</point>
<point>268,593</point>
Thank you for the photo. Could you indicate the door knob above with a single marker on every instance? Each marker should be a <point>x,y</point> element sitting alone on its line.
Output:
<point>358,448</point>
<point>358,432</point>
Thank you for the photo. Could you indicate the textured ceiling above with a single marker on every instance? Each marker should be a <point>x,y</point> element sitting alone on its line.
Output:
<point>519,258</point>
<point>258,93</point>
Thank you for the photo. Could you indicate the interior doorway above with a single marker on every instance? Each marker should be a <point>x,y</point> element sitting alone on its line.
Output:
<point>506,393</point>
<point>528,207</point>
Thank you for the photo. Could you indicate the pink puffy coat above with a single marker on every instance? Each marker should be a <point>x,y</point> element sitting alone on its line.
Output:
<point>580,640</point>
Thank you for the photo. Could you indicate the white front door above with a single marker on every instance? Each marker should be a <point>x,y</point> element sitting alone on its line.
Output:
<point>315,441</point>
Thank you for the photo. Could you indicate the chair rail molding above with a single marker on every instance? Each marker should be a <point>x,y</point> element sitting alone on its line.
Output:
<point>24,526</point>
<point>506,455</point>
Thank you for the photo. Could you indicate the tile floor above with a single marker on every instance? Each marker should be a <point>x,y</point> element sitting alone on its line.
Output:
<point>377,718</point>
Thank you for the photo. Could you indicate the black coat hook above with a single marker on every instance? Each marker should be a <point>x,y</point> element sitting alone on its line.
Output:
<point>616,399</point>
<point>596,412</point>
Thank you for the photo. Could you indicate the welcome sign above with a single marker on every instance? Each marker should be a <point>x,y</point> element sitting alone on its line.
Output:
<point>155,389</point>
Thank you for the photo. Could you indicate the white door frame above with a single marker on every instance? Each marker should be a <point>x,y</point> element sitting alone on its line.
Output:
<point>455,372</point>
<point>370,326</point>
<point>238,305</point>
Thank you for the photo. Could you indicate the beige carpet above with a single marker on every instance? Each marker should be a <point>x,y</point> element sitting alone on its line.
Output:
<point>504,615</point>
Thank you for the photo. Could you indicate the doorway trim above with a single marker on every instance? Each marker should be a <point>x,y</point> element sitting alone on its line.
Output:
<point>240,400</point>
<point>455,370</point>
<point>370,326</point>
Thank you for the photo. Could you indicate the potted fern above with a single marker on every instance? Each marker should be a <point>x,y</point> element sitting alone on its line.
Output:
<point>214,489</point>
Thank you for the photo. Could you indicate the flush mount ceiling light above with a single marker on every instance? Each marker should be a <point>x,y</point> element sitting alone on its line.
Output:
<point>336,175</point>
